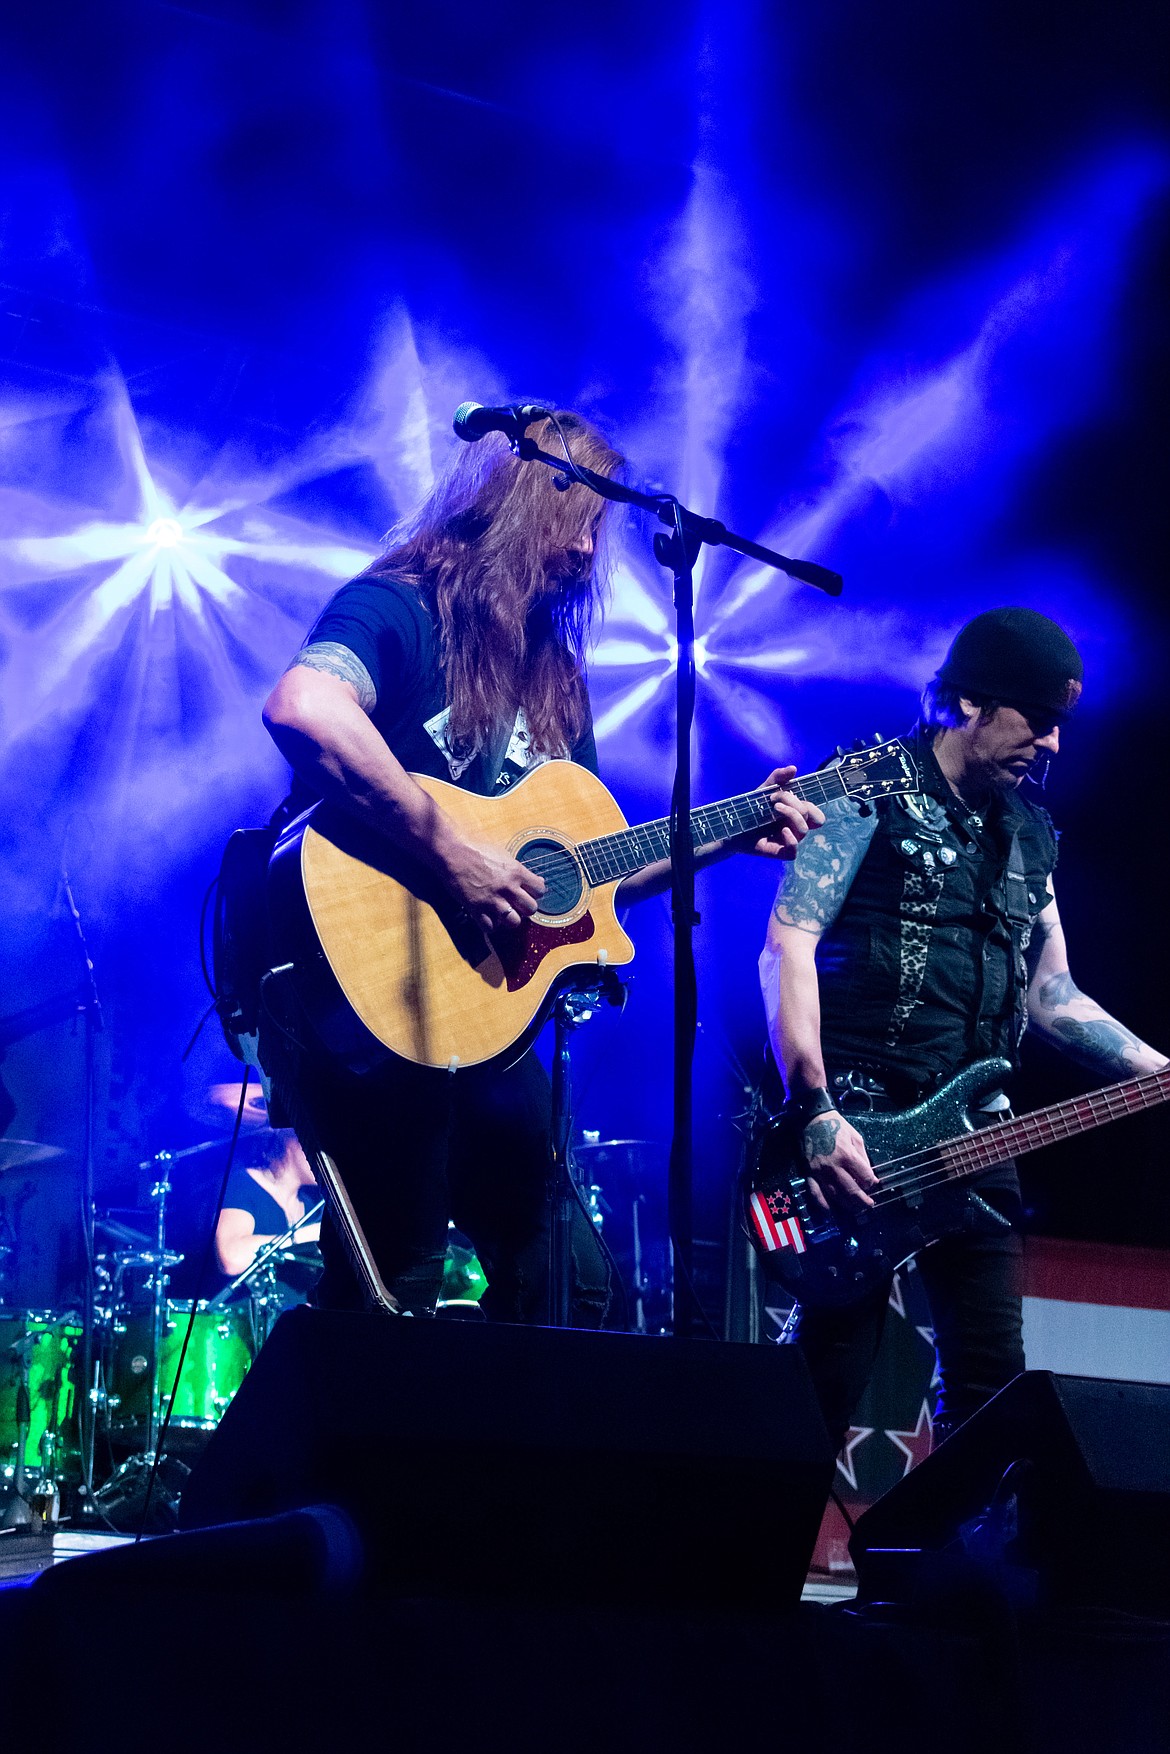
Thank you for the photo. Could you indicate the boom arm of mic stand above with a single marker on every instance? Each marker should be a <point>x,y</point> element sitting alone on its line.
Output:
<point>668,510</point>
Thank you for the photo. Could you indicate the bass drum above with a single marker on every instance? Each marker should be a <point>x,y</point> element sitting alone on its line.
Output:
<point>222,1348</point>
<point>40,1354</point>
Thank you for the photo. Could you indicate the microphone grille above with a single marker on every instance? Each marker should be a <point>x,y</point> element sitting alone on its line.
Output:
<point>462,417</point>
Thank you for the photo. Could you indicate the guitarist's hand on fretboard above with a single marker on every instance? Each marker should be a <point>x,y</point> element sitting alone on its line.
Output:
<point>794,817</point>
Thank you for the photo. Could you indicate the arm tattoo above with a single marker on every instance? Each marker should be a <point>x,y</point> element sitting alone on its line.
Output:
<point>1099,1043</point>
<point>814,886</point>
<point>820,1136</point>
<point>337,660</point>
<point>1059,989</point>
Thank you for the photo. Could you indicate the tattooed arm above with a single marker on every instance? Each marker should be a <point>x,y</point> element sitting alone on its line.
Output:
<point>1070,1020</point>
<point>811,893</point>
<point>318,717</point>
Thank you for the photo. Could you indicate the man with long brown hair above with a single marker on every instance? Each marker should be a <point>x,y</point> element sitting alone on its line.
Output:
<point>460,654</point>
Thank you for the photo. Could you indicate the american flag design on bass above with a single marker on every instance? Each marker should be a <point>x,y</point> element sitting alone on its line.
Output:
<point>777,1226</point>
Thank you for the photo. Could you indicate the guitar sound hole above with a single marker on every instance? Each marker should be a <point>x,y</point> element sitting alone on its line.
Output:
<point>561,873</point>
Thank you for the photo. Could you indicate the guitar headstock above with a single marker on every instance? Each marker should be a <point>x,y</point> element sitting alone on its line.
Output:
<point>881,771</point>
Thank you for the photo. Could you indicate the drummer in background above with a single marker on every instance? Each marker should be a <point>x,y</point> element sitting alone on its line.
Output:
<point>264,1199</point>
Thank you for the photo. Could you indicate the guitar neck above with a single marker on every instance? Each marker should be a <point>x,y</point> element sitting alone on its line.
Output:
<point>613,856</point>
<point>1063,1120</point>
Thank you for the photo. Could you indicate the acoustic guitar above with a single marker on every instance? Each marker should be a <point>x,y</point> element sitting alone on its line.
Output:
<point>383,961</point>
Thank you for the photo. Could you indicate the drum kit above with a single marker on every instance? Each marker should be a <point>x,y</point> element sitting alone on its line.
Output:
<point>156,1361</point>
<point>163,1370</point>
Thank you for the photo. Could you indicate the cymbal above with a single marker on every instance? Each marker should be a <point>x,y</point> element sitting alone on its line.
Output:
<point>18,1153</point>
<point>123,1233</point>
<point>220,1103</point>
<point>597,1146</point>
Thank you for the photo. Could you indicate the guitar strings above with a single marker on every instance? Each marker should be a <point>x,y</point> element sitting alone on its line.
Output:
<point>914,1176</point>
<point>814,788</point>
<point>984,1142</point>
<point>544,863</point>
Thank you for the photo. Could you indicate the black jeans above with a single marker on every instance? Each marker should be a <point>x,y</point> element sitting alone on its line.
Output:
<point>973,1286</point>
<point>417,1147</point>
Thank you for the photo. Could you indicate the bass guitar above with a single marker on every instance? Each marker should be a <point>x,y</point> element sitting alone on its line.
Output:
<point>924,1158</point>
<point>384,962</point>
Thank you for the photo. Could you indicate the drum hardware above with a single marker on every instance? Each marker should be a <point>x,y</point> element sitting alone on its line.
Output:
<point>38,1414</point>
<point>259,1276</point>
<point>573,1008</point>
<point>623,1173</point>
<point>129,1481</point>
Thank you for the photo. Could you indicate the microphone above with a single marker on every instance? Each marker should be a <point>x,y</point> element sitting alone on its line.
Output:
<point>473,421</point>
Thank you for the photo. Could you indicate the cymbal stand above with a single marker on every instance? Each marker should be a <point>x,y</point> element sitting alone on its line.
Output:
<point>159,1281</point>
<point>132,1475</point>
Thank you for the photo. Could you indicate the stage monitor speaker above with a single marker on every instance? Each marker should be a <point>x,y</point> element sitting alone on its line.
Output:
<point>1073,1471</point>
<point>532,1462</point>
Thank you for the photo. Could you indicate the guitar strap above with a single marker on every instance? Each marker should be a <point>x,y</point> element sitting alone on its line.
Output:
<point>1019,918</point>
<point>922,888</point>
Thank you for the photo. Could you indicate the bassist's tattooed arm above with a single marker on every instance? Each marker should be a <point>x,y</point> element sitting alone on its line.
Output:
<point>814,886</point>
<point>809,899</point>
<point>839,1171</point>
<point>812,891</point>
<point>1073,1022</point>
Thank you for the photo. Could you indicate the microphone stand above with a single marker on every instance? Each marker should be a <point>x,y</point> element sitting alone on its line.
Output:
<point>677,548</point>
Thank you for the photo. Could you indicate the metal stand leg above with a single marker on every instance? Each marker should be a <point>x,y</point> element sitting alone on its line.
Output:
<point>344,1216</point>
<point>573,1008</point>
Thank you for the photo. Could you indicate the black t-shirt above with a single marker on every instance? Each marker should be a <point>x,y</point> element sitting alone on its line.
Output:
<point>390,627</point>
<point>245,1194</point>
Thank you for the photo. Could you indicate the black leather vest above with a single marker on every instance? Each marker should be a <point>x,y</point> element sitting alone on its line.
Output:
<point>924,969</point>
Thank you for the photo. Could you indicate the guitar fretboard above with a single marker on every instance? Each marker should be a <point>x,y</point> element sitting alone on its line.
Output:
<point>1044,1126</point>
<point>613,856</point>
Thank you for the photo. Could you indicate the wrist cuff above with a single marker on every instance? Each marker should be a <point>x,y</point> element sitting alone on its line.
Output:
<point>811,1103</point>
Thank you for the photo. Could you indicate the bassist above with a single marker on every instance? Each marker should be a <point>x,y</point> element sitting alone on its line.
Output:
<point>911,940</point>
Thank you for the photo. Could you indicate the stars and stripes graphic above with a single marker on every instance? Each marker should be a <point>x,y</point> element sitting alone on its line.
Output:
<point>776,1224</point>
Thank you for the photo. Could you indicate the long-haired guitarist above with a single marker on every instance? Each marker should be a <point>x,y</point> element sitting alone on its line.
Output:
<point>459,655</point>
<point>911,939</point>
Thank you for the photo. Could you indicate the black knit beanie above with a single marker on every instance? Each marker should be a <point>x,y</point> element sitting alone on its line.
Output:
<point>1018,657</point>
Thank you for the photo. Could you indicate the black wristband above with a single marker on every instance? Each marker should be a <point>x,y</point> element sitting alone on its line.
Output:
<point>811,1103</point>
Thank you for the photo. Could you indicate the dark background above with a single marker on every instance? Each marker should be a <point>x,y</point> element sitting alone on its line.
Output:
<point>883,285</point>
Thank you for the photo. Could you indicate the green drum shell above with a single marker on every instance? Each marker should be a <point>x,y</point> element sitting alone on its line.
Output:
<point>217,1362</point>
<point>54,1358</point>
